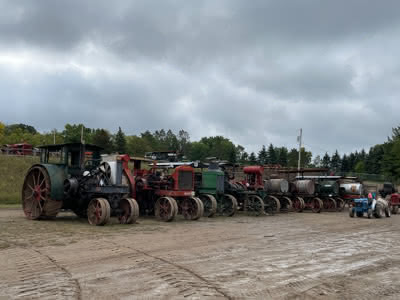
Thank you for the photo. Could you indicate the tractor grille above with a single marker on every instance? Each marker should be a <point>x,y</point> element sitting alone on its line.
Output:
<point>185,180</point>
<point>220,184</point>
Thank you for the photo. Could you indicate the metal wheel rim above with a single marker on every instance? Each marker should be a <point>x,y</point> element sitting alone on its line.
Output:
<point>210,205</point>
<point>256,205</point>
<point>317,205</point>
<point>190,208</point>
<point>164,209</point>
<point>97,211</point>
<point>230,209</point>
<point>35,192</point>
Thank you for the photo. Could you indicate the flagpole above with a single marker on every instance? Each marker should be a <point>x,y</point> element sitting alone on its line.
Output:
<point>299,139</point>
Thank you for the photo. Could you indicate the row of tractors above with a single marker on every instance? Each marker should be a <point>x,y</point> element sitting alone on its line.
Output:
<point>78,178</point>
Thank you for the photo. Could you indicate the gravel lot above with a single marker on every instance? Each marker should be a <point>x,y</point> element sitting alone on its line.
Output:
<point>287,256</point>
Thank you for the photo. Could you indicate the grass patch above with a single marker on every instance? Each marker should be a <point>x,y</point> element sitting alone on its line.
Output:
<point>12,174</point>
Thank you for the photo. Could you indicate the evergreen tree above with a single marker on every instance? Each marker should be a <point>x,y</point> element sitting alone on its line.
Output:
<point>395,134</point>
<point>345,164</point>
<point>263,156</point>
<point>272,157</point>
<point>335,162</point>
<point>326,161</point>
<point>120,142</point>
<point>293,158</point>
<point>283,156</point>
<point>373,162</point>
<point>252,159</point>
<point>352,161</point>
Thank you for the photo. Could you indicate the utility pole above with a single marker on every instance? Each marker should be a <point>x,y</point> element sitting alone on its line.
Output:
<point>54,136</point>
<point>299,139</point>
<point>82,141</point>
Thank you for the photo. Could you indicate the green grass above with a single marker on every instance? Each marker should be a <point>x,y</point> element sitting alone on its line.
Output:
<point>12,174</point>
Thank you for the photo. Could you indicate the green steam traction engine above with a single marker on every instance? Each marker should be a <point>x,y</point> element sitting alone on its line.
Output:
<point>71,176</point>
<point>210,187</point>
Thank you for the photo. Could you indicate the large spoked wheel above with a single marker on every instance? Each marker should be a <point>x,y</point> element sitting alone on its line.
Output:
<point>256,205</point>
<point>228,206</point>
<point>329,204</point>
<point>192,208</point>
<point>129,211</point>
<point>36,201</point>
<point>98,211</point>
<point>286,204</point>
<point>176,211</point>
<point>316,205</point>
<point>166,209</point>
<point>210,205</point>
<point>274,203</point>
<point>340,204</point>
<point>298,204</point>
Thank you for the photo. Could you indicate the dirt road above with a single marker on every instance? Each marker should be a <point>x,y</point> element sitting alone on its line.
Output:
<point>287,256</point>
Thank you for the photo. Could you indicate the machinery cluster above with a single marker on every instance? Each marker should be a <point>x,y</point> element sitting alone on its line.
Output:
<point>76,177</point>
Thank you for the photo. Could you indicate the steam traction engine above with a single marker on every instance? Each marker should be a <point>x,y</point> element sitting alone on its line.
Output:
<point>327,189</point>
<point>70,176</point>
<point>278,191</point>
<point>251,194</point>
<point>164,195</point>
<point>351,188</point>
<point>210,188</point>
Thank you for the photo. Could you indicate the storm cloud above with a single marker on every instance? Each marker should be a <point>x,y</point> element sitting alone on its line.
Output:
<point>253,71</point>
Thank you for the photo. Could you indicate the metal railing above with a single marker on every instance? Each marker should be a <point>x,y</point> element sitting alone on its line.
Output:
<point>13,151</point>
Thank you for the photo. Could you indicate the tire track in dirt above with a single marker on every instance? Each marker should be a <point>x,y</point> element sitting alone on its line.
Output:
<point>188,282</point>
<point>38,276</point>
<point>339,287</point>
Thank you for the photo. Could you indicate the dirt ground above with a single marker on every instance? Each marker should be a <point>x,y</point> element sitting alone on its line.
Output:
<point>287,256</point>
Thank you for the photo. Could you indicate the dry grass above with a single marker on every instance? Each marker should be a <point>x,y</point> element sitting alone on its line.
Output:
<point>12,174</point>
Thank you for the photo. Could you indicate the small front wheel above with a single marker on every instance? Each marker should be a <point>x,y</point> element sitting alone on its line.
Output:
<point>388,212</point>
<point>378,211</point>
<point>351,212</point>
<point>369,213</point>
<point>98,212</point>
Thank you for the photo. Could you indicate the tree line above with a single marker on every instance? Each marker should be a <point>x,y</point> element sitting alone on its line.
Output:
<point>160,140</point>
<point>380,159</point>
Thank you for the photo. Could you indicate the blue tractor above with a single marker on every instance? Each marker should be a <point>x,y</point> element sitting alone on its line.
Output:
<point>370,206</point>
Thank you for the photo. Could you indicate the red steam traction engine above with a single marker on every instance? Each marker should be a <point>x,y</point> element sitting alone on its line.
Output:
<point>254,197</point>
<point>161,194</point>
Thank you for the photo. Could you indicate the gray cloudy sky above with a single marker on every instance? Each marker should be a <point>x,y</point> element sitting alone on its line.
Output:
<point>253,71</point>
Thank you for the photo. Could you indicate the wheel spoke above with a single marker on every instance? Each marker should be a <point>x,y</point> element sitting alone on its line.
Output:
<point>34,178</point>
<point>38,178</point>
<point>40,205</point>
<point>42,182</point>
<point>33,202</point>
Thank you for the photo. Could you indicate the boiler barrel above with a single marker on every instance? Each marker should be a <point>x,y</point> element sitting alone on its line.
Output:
<point>277,186</point>
<point>306,187</point>
<point>329,187</point>
<point>352,188</point>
